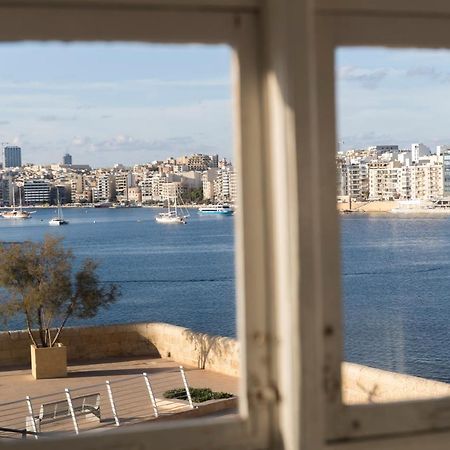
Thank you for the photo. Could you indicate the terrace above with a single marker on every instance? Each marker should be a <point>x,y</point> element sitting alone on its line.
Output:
<point>129,400</point>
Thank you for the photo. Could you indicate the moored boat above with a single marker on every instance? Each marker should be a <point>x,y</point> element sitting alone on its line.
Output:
<point>222,209</point>
<point>16,213</point>
<point>59,219</point>
<point>173,214</point>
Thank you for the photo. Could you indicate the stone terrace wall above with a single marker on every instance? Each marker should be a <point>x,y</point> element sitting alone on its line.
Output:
<point>362,384</point>
<point>218,354</point>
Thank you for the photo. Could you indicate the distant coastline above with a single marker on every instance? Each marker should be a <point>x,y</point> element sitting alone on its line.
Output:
<point>395,207</point>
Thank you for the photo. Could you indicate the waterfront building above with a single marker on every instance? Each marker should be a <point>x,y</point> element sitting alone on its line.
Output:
<point>208,179</point>
<point>190,180</point>
<point>357,179</point>
<point>37,191</point>
<point>427,181</point>
<point>134,194</point>
<point>225,185</point>
<point>385,179</point>
<point>171,190</point>
<point>105,190</point>
<point>146,189</point>
<point>11,156</point>
<point>123,180</point>
<point>446,173</point>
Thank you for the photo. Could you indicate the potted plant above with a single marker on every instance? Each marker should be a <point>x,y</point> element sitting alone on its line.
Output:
<point>38,281</point>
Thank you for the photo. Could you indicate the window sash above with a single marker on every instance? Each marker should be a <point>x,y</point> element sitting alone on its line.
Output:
<point>344,422</point>
<point>232,22</point>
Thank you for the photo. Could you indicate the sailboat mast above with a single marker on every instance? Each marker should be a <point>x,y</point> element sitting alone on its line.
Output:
<point>175,205</point>
<point>59,204</point>
<point>14,196</point>
<point>20,199</point>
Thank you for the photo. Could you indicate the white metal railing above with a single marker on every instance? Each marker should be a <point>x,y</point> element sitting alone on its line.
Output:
<point>112,403</point>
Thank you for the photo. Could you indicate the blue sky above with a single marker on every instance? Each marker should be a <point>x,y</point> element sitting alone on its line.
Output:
<point>392,96</point>
<point>109,103</point>
<point>130,103</point>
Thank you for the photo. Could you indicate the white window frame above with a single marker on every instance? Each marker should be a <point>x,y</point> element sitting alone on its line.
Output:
<point>232,22</point>
<point>288,275</point>
<point>410,424</point>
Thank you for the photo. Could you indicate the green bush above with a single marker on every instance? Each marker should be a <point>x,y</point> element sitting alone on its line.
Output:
<point>198,395</point>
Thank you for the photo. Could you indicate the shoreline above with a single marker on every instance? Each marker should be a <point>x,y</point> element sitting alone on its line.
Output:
<point>386,207</point>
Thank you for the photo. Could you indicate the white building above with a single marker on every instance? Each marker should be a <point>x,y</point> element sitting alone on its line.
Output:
<point>419,150</point>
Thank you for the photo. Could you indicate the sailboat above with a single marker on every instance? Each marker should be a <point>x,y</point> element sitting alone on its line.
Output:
<point>59,219</point>
<point>16,213</point>
<point>172,215</point>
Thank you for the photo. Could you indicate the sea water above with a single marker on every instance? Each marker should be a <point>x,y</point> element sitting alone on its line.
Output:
<point>395,278</point>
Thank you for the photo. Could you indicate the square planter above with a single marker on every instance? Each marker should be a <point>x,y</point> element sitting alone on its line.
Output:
<point>49,362</point>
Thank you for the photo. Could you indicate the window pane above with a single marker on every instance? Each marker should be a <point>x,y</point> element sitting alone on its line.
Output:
<point>394,198</point>
<point>124,152</point>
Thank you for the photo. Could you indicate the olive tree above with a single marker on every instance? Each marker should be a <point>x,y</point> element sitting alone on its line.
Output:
<point>37,280</point>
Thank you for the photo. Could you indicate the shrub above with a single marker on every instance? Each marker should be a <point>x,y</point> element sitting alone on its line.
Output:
<point>198,395</point>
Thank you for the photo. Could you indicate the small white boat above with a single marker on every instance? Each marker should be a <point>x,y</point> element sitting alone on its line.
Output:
<point>55,222</point>
<point>59,219</point>
<point>172,216</point>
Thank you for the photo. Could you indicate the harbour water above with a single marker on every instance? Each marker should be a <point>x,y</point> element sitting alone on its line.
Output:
<point>396,284</point>
<point>395,273</point>
<point>182,274</point>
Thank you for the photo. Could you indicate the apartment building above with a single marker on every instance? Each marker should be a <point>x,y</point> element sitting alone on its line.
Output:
<point>105,190</point>
<point>208,179</point>
<point>427,181</point>
<point>37,192</point>
<point>385,179</point>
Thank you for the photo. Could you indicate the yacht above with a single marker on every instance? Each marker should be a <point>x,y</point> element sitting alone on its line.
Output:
<point>59,219</point>
<point>172,215</point>
<point>16,213</point>
<point>224,209</point>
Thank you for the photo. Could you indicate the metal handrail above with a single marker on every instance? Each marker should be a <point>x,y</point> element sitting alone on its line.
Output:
<point>23,432</point>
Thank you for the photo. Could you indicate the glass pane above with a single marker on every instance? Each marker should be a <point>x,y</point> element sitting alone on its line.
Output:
<point>393,166</point>
<point>119,152</point>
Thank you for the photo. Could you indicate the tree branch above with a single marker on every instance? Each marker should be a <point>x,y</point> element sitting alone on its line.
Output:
<point>69,313</point>
<point>29,329</point>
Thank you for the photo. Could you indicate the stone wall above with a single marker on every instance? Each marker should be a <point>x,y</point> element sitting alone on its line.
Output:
<point>185,346</point>
<point>362,384</point>
<point>374,206</point>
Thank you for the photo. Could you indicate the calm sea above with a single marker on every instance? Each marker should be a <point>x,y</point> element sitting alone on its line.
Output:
<point>396,283</point>
<point>182,274</point>
<point>396,278</point>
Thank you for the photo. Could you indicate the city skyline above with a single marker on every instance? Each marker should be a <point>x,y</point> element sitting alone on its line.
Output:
<point>107,103</point>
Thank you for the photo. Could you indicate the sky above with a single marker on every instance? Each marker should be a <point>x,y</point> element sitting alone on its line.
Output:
<point>107,103</point>
<point>130,103</point>
<point>392,96</point>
